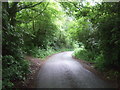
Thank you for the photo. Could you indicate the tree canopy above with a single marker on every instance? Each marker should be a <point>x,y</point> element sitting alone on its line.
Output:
<point>44,26</point>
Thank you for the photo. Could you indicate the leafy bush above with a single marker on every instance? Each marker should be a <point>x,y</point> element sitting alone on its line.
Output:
<point>84,54</point>
<point>100,63</point>
<point>113,74</point>
<point>42,53</point>
<point>13,70</point>
<point>14,67</point>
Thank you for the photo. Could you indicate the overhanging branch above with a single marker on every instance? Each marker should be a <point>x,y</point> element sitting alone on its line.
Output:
<point>34,16</point>
<point>42,11</point>
<point>28,6</point>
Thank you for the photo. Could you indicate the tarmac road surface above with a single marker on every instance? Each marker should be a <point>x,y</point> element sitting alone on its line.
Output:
<point>62,71</point>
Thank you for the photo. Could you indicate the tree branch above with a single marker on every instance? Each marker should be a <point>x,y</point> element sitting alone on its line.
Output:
<point>28,6</point>
<point>42,10</point>
<point>35,16</point>
<point>39,13</point>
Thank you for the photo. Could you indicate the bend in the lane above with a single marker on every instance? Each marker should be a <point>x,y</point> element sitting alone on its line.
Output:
<point>62,71</point>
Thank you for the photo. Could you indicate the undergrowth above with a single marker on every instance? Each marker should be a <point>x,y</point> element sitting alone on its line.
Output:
<point>43,53</point>
<point>99,63</point>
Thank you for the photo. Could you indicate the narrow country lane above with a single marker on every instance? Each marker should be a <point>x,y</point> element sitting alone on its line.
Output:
<point>62,71</point>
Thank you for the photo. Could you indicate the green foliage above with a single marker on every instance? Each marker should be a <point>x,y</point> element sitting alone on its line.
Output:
<point>80,54</point>
<point>43,53</point>
<point>84,54</point>
<point>81,30</point>
<point>30,28</point>
<point>41,29</point>
<point>113,75</point>
<point>13,70</point>
<point>109,34</point>
<point>39,32</point>
<point>100,62</point>
<point>14,66</point>
<point>97,28</point>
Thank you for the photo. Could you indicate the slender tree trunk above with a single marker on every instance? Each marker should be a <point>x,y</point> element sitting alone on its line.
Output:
<point>33,25</point>
<point>12,13</point>
<point>5,8</point>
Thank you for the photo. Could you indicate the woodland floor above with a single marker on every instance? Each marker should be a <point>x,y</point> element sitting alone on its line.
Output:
<point>35,65</point>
